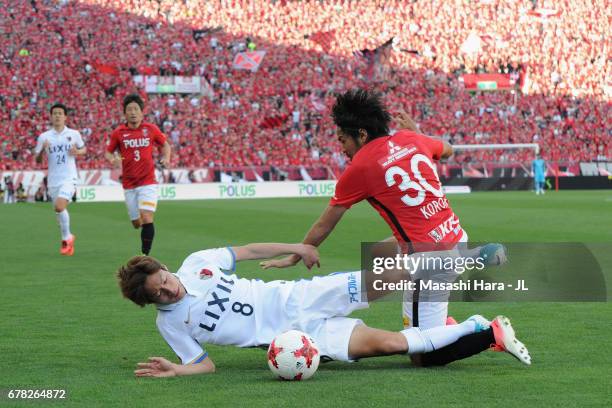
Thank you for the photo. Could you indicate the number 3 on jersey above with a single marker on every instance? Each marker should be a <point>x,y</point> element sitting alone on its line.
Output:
<point>136,155</point>
<point>421,186</point>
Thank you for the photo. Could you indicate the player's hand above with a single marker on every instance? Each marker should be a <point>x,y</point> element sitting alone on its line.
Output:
<point>73,151</point>
<point>404,121</point>
<point>285,262</point>
<point>46,145</point>
<point>162,163</point>
<point>310,256</point>
<point>116,163</point>
<point>156,367</point>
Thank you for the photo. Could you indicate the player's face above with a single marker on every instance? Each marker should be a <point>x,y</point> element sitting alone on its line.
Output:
<point>133,114</point>
<point>349,145</point>
<point>58,117</point>
<point>164,288</point>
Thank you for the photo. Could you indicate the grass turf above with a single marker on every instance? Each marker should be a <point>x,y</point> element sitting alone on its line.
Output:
<point>65,326</point>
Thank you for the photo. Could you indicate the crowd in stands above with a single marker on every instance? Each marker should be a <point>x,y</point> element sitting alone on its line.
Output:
<point>85,53</point>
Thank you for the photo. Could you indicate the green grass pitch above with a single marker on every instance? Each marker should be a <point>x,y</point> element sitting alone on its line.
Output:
<point>65,326</point>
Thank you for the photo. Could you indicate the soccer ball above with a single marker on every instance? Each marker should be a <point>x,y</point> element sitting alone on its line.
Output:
<point>293,355</point>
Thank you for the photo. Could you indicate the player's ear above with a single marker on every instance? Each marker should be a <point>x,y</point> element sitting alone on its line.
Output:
<point>164,267</point>
<point>363,136</point>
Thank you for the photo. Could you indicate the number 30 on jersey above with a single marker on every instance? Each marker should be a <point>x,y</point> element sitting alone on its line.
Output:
<point>420,185</point>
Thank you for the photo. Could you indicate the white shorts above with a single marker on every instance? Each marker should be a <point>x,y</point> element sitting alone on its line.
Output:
<point>317,307</point>
<point>140,198</point>
<point>65,191</point>
<point>427,315</point>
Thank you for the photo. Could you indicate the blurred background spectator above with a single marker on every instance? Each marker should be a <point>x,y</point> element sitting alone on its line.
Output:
<point>84,53</point>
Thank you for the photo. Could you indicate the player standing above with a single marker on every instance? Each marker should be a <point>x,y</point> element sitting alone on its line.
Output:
<point>538,167</point>
<point>62,145</point>
<point>134,141</point>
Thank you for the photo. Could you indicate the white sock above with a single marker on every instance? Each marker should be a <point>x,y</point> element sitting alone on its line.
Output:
<point>424,341</point>
<point>64,222</point>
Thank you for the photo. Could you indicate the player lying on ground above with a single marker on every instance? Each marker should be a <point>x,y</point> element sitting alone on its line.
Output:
<point>202,304</point>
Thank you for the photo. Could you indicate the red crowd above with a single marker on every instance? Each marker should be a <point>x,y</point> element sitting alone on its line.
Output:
<point>85,53</point>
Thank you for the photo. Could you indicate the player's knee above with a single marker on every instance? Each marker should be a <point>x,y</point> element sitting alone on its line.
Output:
<point>136,224</point>
<point>146,217</point>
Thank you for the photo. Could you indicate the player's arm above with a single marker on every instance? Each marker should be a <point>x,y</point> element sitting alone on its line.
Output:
<point>160,367</point>
<point>324,225</point>
<point>166,152</point>
<point>447,151</point>
<point>110,153</point>
<point>447,148</point>
<point>404,121</point>
<point>113,158</point>
<point>39,149</point>
<point>75,151</point>
<point>315,236</point>
<point>270,250</point>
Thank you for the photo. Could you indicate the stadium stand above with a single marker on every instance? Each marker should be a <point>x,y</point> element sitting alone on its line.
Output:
<point>86,53</point>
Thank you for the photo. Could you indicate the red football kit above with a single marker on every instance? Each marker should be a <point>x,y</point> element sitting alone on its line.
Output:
<point>136,148</point>
<point>397,176</point>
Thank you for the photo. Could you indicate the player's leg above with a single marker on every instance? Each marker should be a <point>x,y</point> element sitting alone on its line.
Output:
<point>131,202</point>
<point>500,336</point>
<point>147,204</point>
<point>369,342</point>
<point>147,232</point>
<point>61,198</point>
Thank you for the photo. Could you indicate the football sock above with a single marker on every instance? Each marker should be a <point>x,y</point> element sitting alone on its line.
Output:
<point>63,220</point>
<point>464,347</point>
<point>147,233</point>
<point>423,341</point>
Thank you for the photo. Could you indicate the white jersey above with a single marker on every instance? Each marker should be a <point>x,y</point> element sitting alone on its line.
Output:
<point>223,309</point>
<point>62,165</point>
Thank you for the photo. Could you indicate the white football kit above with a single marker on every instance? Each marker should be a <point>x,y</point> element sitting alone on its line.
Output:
<point>62,176</point>
<point>224,309</point>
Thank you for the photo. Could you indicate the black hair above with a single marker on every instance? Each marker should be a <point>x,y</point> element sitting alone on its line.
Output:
<point>133,98</point>
<point>361,109</point>
<point>60,106</point>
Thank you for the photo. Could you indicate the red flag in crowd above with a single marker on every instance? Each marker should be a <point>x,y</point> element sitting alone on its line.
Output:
<point>324,39</point>
<point>273,121</point>
<point>106,68</point>
<point>250,60</point>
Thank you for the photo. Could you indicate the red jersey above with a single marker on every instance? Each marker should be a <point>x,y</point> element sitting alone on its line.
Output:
<point>398,178</point>
<point>136,148</point>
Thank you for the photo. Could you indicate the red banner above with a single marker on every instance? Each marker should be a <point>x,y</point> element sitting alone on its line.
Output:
<point>249,60</point>
<point>488,82</point>
<point>106,68</point>
<point>273,121</point>
<point>324,39</point>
